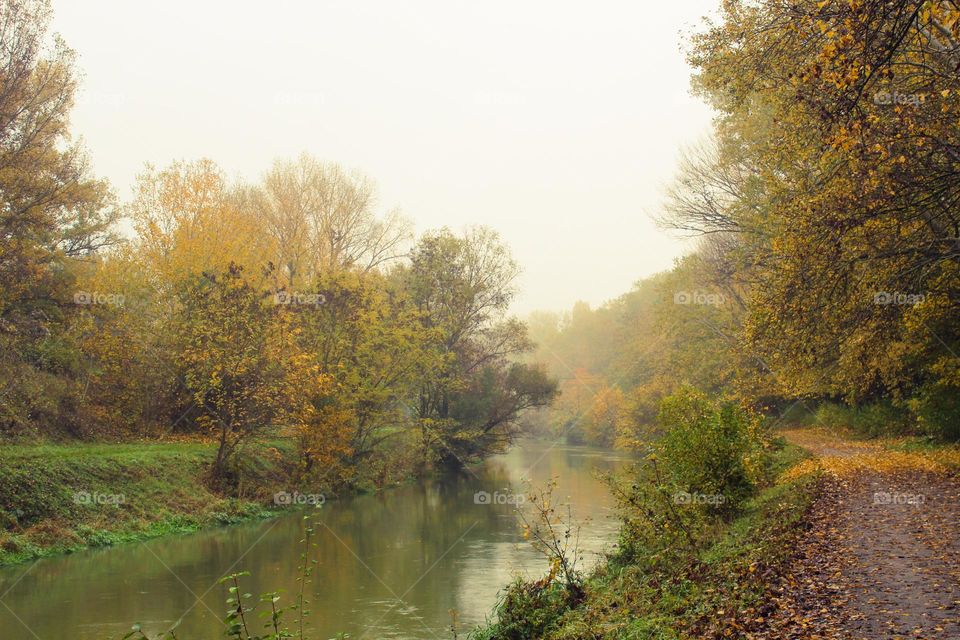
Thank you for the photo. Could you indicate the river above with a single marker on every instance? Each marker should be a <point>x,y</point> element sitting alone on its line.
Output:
<point>390,565</point>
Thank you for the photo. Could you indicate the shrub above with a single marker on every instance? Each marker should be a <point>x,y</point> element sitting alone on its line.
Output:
<point>711,448</point>
<point>527,610</point>
<point>710,459</point>
<point>882,419</point>
<point>656,532</point>
<point>833,416</point>
<point>938,411</point>
<point>874,420</point>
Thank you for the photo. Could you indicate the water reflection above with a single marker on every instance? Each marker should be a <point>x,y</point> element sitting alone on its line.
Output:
<point>390,565</point>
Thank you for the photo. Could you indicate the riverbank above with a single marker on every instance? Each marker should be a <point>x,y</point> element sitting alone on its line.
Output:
<point>430,540</point>
<point>762,574</point>
<point>722,583</point>
<point>60,498</point>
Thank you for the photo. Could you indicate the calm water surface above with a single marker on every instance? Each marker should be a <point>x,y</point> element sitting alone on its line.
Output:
<point>389,566</point>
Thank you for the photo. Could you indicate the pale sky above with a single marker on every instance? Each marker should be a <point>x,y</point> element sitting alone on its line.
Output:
<point>557,124</point>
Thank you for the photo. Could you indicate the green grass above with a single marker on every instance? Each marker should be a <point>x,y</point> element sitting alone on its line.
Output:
<point>144,490</point>
<point>786,456</point>
<point>920,444</point>
<point>125,450</point>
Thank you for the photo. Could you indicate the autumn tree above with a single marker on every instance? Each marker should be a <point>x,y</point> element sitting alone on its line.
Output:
<point>363,331</point>
<point>832,178</point>
<point>241,365</point>
<point>604,420</point>
<point>52,213</point>
<point>188,220</point>
<point>322,219</point>
<point>462,286</point>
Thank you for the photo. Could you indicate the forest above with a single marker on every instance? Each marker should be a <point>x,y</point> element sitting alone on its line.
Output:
<point>236,311</point>
<point>826,208</point>
<point>179,356</point>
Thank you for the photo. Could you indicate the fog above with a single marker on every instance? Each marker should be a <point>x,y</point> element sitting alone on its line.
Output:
<point>557,124</point>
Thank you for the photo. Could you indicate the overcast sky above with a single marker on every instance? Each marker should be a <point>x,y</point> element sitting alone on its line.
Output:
<point>557,124</point>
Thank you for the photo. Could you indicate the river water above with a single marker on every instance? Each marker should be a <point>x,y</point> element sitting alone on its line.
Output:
<point>390,565</point>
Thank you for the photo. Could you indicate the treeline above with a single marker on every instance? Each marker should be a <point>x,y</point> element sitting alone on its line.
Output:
<point>618,362</point>
<point>824,289</point>
<point>826,279</point>
<point>289,308</point>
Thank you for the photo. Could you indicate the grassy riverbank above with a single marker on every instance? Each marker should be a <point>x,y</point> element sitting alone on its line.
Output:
<point>722,584</point>
<point>728,580</point>
<point>61,498</point>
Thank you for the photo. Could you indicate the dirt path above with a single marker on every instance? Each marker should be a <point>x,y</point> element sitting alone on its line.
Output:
<point>881,558</point>
<point>824,445</point>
